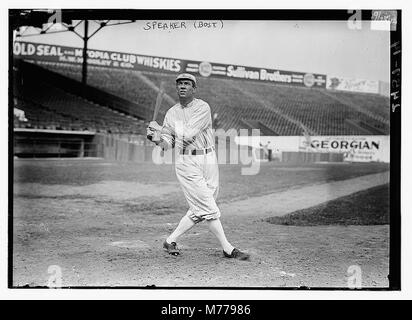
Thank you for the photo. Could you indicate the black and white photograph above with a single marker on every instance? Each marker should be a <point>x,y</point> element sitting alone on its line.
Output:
<point>204,149</point>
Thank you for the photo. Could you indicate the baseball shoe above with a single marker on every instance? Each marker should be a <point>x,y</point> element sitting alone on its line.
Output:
<point>171,248</point>
<point>237,254</point>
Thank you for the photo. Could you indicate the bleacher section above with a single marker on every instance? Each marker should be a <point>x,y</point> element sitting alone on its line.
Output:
<point>322,114</point>
<point>123,83</point>
<point>375,106</point>
<point>282,110</point>
<point>48,107</point>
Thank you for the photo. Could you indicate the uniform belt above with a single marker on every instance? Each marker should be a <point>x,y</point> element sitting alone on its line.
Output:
<point>195,152</point>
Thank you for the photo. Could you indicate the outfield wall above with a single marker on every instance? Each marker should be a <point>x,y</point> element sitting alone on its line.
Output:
<point>38,143</point>
<point>353,148</point>
<point>125,148</point>
<point>285,149</point>
<point>116,148</point>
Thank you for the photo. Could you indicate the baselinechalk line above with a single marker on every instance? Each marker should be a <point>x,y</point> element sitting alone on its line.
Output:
<point>281,203</point>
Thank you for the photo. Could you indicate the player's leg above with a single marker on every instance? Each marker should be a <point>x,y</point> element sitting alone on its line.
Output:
<point>215,226</point>
<point>185,224</point>
<point>229,251</point>
<point>200,187</point>
<point>199,181</point>
<point>184,169</point>
<point>211,174</point>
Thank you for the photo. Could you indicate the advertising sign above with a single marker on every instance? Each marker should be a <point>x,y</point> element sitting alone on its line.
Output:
<point>112,59</point>
<point>354,85</point>
<point>354,148</point>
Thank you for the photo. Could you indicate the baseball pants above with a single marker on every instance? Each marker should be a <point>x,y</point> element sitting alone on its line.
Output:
<point>199,179</point>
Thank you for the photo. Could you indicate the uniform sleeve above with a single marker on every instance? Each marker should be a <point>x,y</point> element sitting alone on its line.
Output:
<point>167,132</point>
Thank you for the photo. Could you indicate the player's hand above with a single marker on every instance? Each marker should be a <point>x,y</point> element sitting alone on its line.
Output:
<point>155,126</point>
<point>149,134</point>
<point>153,135</point>
<point>149,131</point>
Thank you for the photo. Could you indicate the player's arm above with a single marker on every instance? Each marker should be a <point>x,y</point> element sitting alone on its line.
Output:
<point>185,133</point>
<point>164,144</point>
<point>163,141</point>
<point>165,132</point>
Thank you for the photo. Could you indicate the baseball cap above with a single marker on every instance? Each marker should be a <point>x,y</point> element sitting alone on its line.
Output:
<point>187,76</point>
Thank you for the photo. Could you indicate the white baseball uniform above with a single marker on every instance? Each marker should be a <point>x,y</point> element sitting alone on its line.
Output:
<point>189,128</point>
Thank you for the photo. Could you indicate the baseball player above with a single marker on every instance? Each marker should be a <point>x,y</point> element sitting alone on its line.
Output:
<point>187,126</point>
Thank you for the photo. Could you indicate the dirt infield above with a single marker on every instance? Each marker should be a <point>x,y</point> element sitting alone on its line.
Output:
<point>103,224</point>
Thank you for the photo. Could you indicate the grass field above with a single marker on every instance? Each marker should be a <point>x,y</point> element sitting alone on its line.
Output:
<point>271,177</point>
<point>104,222</point>
<point>368,207</point>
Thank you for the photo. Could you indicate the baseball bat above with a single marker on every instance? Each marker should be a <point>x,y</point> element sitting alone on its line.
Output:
<point>159,99</point>
<point>158,103</point>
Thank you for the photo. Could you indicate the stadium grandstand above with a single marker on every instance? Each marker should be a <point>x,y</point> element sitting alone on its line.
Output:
<point>48,104</point>
<point>274,109</point>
